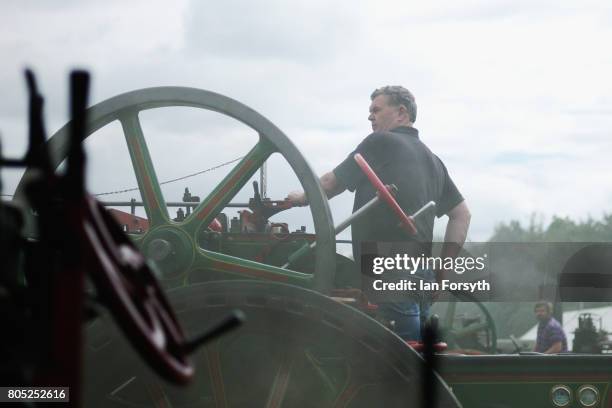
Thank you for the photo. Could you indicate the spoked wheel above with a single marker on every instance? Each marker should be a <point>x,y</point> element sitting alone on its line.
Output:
<point>181,253</point>
<point>297,349</point>
<point>475,335</point>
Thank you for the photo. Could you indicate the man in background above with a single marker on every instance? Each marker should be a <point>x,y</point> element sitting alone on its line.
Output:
<point>551,338</point>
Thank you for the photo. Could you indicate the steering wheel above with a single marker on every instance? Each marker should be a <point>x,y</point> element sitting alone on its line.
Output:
<point>383,192</point>
<point>174,244</point>
<point>129,288</point>
<point>123,279</point>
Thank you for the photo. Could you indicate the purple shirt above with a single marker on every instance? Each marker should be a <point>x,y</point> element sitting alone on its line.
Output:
<point>549,333</point>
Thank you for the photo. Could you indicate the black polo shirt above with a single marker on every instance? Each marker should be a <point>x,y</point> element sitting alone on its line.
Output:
<point>397,157</point>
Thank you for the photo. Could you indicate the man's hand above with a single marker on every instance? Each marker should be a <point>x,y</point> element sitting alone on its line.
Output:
<point>555,348</point>
<point>297,198</point>
<point>330,185</point>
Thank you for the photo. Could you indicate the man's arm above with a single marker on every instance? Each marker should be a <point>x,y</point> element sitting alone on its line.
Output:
<point>330,185</point>
<point>555,348</point>
<point>456,232</point>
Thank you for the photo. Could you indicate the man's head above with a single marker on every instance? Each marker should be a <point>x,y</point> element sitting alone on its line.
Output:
<point>392,106</point>
<point>543,311</point>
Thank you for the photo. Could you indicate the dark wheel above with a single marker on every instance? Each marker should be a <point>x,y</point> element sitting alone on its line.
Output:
<point>297,349</point>
<point>127,286</point>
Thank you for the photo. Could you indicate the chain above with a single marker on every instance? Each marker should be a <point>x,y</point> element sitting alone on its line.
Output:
<point>174,180</point>
<point>162,183</point>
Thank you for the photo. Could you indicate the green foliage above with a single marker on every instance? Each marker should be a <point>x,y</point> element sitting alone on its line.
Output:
<point>560,229</point>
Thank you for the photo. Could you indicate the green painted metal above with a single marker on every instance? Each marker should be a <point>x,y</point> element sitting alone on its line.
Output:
<point>154,203</point>
<point>204,213</point>
<point>172,249</point>
<point>521,394</point>
<point>126,107</point>
<point>516,381</point>
<point>245,269</point>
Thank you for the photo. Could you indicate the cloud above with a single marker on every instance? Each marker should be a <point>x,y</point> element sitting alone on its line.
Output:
<point>512,95</point>
<point>524,158</point>
<point>300,32</point>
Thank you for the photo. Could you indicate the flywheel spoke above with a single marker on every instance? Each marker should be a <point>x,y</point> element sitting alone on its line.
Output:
<point>213,362</point>
<point>204,213</point>
<point>156,392</point>
<point>206,262</point>
<point>152,197</point>
<point>279,386</point>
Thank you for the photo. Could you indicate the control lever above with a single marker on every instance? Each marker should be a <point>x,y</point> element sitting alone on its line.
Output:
<point>306,248</point>
<point>517,346</point>
<point>226,324</point>
<point>264,209</point>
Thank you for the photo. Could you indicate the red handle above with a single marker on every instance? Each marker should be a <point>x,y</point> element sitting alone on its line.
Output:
<point>383,192</point>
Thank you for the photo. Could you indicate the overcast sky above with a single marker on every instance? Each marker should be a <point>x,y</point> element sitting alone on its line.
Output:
<point>514,96</point>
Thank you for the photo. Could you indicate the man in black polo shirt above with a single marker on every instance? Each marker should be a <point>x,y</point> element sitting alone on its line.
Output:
<point>397,156</point>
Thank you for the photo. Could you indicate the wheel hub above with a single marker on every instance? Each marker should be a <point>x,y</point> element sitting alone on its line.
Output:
<point>171,249</point>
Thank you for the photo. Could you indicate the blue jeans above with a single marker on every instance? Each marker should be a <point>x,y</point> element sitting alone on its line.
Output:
<point>410,315</point>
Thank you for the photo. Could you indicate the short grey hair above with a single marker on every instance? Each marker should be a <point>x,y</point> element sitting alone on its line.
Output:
<point>398,95</point>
